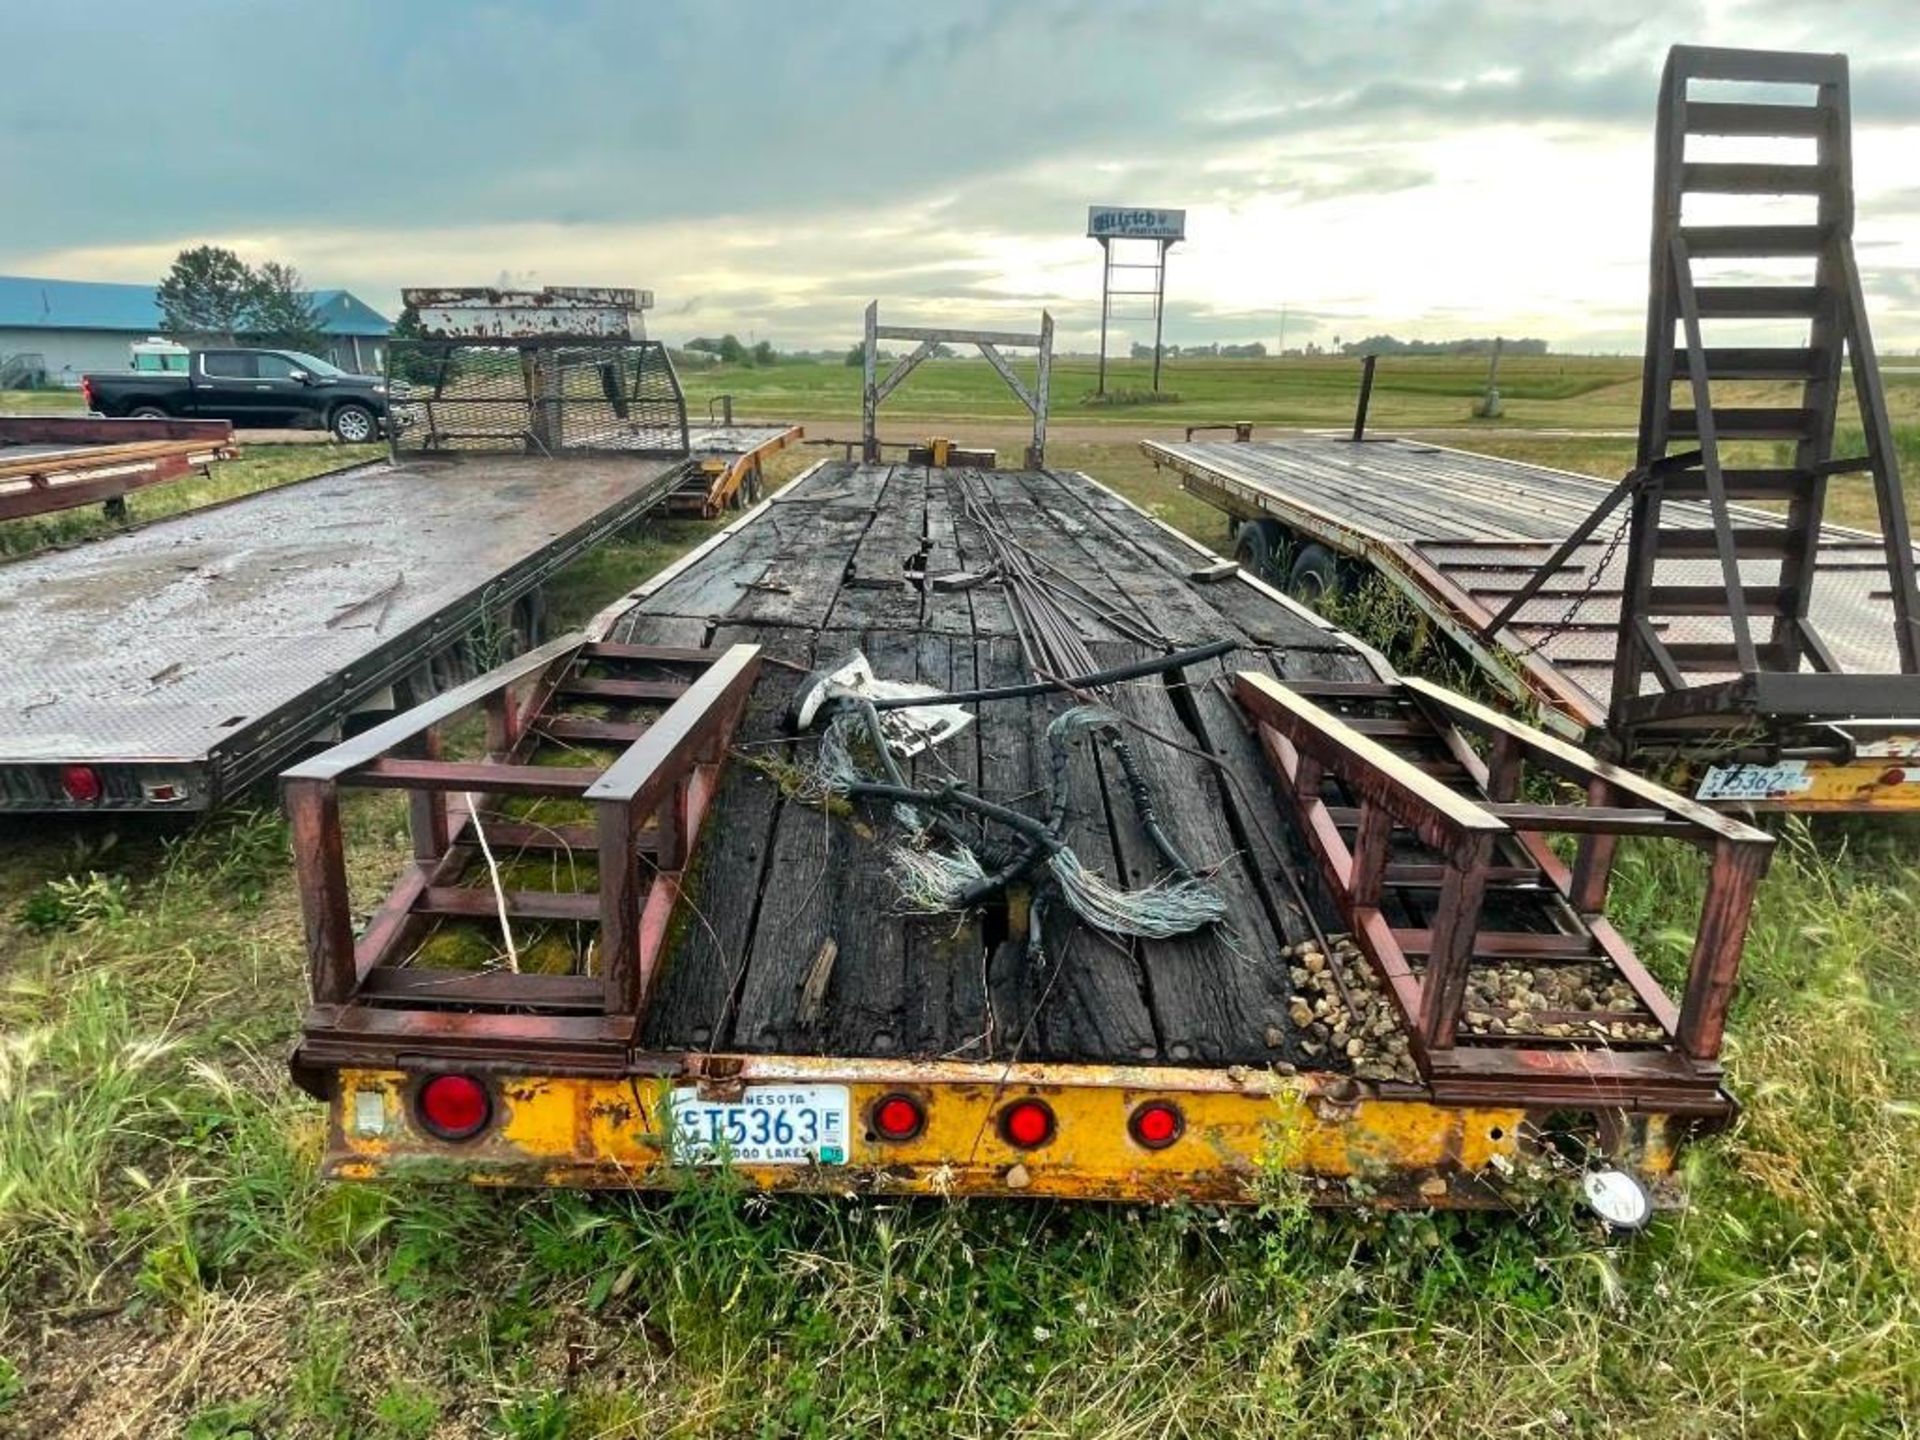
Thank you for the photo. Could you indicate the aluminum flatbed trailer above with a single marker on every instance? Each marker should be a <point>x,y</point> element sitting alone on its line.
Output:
<point>169,666</point>
<point>1460,533</point>
<point>1408,996</point>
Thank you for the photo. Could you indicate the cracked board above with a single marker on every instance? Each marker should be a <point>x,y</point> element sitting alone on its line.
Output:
<point>795,939</point>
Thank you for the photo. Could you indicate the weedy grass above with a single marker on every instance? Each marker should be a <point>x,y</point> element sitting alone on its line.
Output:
<point>170,1264</point>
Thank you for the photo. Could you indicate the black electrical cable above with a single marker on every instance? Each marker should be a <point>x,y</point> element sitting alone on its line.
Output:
<point>1136,670</point>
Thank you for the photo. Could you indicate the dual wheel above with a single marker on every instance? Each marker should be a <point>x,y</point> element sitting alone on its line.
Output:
<point>1310,572</point>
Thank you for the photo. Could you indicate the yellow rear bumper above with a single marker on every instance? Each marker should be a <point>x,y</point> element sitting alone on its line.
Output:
<point>1344,1142</point>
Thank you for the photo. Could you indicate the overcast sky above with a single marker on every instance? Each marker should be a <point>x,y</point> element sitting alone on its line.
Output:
<point>1432,168</point>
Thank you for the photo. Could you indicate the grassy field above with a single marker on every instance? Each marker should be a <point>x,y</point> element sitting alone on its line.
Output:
<point>169,1264</point>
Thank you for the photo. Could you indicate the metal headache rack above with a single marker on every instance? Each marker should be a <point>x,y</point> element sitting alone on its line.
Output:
<point>1752,646</point>
<point>551,372</point>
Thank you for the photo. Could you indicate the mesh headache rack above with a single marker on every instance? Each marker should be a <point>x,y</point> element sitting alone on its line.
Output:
<point>551,372</point>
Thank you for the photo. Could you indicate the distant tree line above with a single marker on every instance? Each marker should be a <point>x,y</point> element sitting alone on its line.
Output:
<point>1388,345</point>
<point>729,350</point>
<point>1253,350</point>
<point>856,355</point>
<point>210,293</point>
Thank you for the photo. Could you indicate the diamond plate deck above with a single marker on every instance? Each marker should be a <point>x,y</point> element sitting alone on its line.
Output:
<point>180,639</point>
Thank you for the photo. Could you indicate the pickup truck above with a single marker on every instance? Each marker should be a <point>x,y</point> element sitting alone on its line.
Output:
<point>257,388</point>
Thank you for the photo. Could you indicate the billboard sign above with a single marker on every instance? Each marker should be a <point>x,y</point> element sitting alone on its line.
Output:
<point>1130,222</point>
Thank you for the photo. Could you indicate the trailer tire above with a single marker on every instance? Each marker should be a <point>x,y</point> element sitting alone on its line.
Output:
<point>1315,575</point>
<point>528,621</point>
<point>1254,548</point>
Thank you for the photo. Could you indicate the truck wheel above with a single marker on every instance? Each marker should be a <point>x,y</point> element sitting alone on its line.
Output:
<point>352,425</point>
<point>147,412</point>
<point>1254,547</point>
<point>1315,575</point>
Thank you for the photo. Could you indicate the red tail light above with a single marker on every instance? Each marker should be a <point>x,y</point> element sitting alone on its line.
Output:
<point>86,391</point>
<point>1156,1124</point>
<point>1026,1124</point>
<point>81,783</point>
<point>454,1107</point>
<point>898,1117</point>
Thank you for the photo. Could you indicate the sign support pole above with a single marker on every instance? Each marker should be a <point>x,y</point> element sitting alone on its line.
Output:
<point>1164,229</point>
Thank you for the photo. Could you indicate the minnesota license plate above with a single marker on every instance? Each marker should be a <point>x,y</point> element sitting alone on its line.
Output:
<point>1754,782</point>
<point>767,1125</point>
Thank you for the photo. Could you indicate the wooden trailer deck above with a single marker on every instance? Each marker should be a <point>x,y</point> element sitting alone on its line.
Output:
<point>1409,986</point>
<point>823,571</point>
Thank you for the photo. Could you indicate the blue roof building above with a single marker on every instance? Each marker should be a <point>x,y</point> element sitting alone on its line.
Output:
<point>73,326</point>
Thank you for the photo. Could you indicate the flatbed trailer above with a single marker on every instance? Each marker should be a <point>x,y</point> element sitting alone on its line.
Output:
<point>171,665</point>
<point>1459,533</point>
<point>1410,998</point>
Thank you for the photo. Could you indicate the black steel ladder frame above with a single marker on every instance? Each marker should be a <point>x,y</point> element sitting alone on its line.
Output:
<point>1836,312</point>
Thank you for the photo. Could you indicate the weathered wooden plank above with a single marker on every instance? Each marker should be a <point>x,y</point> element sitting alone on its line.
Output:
<point>814,541</point>
<point>1088,996</point>
<point>1247,799</point>
<point>1216,991</point>
<point>866,1013</point>
<point>877,594</point>
<point>947,611</point>
<point>945,1011</point>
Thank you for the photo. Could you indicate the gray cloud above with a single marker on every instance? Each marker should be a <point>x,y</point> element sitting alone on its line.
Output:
<point>601,111</point>
<point>1001,119</point>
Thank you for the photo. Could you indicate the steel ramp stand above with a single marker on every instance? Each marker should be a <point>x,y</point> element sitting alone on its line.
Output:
<point>1446,879</point>
<point>1742,626</point>
<point>600,764</point>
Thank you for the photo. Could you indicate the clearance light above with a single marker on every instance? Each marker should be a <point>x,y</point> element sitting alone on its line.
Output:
<point>898,1117</point>
<point>454,1107</point>
<point>1156,1124</point>
<point>1026,1124</point>
<point>82,784</point>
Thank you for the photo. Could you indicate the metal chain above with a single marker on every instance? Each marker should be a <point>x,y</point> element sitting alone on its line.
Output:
<point>1593,583</point>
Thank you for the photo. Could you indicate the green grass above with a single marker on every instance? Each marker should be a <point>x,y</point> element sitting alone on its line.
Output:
<point>38,402</point>
<point>169,1264</point>
<point>1570,390</point>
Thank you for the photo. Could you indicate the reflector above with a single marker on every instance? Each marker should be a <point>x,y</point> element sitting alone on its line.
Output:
<point>1156,1124</point>
<point>898,1117</point>
<point>454,1107</point>
<point>1026,1124</point>
<point>82,784</point>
